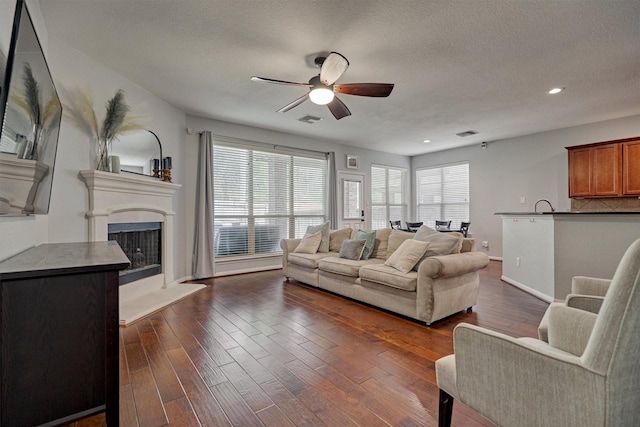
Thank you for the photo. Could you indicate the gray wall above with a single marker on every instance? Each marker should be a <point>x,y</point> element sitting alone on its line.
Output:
<point>532,166</point>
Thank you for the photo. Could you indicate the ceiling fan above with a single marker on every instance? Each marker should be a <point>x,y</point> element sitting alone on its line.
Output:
<point>322,88</point>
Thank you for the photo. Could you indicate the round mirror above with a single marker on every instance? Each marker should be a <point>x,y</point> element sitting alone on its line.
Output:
<point>137,151</point>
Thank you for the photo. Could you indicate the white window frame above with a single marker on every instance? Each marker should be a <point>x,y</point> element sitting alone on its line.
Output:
<point>295,226</point>
<point>386,204</point>
<point>441,205</point>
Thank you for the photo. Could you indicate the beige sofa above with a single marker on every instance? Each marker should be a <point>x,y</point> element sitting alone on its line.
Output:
<point>437,287</point>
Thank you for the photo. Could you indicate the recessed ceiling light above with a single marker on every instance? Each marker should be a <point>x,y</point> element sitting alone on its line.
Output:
<point>426,140</point>
<point>555,90</point>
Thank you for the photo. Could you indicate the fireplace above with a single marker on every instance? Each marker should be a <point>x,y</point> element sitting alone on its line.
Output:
<point>127,201</point>
<point>142,243</point>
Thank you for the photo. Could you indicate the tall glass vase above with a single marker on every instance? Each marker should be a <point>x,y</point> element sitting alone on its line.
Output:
<point>33,146</point>
<point>102,155</point>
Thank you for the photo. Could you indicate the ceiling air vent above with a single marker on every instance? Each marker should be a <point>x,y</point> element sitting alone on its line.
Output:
<point>309,119</point>
<point>467,133</point>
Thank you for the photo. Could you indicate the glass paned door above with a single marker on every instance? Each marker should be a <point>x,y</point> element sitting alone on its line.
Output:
<point>352,209</point>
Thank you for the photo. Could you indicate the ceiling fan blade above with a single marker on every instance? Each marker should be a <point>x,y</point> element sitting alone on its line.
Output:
<point>365,89</point>
<point>338,109</point>
<point>293,104</point>
<point>333,67</point>
<point>278,82</point>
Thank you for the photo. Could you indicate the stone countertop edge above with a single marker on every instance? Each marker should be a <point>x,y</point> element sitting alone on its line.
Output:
<point>569,213</point>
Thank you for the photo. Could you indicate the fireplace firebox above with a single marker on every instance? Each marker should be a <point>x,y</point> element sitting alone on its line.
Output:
<point>142,243</point>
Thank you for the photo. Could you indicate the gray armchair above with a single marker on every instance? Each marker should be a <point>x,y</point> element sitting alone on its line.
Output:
<point>587,293</point>
<point>586,375</point>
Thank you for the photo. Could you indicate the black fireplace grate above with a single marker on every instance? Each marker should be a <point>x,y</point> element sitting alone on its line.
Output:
<point>142,244</point>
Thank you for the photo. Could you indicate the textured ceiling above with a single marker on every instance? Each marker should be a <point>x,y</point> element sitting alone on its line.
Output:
<point>458,65</point>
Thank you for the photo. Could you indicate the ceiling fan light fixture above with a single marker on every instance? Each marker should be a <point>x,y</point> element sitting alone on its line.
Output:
<point>321,95</point>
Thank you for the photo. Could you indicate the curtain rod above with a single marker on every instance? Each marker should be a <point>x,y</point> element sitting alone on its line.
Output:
<point>259,143</point>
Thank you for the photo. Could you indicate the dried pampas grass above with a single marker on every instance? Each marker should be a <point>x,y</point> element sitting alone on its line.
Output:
<point>116,120</point>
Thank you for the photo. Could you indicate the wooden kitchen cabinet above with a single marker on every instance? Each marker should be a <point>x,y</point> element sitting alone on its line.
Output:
<point>605,169</point>
<point>631,167</point>
<point>580,167</point>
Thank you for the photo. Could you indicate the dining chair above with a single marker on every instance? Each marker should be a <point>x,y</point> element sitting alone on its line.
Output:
<point>396,225</point>
<point>464,228</point>
<point>443,224</point>
<point>413,226</point>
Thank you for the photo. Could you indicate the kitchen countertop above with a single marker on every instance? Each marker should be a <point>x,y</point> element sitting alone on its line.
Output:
<point>568,213</point>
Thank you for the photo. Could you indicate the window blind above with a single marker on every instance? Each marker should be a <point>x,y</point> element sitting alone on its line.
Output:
<point>263,196</point>
<point>443,194</point>
<point>388,195</point>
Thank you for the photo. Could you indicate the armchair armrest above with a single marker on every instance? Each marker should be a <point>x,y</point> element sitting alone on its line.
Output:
<point>589,286</point>
<point>588,303</point>
<point>570,328</point>
<point>453,264</point>
<point>494,371</point>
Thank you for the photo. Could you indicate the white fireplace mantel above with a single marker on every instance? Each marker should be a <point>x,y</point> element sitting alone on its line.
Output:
<point>19,180</point>
<point>124,198</point>
<point>118,198</point>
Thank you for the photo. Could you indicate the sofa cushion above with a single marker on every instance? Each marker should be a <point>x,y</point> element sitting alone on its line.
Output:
<point>370,237</point>
<point>324,232</point>
<point>468,245</point>
<point>440,243</point>
<point>309,260</point>
<point>380,248</point>
<point>346,267</point>
<point>396,237</point>
<point>336,238</point>
<point>407,255</point>
<point>352,249</point>
<point>389,276</point>
<point>309,243</point>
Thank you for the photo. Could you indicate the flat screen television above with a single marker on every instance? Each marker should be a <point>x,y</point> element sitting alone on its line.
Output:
<point>31,113</point>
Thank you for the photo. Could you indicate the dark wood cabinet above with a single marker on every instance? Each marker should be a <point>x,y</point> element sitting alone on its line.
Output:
<point>605,169</point>
<point>59,333</point>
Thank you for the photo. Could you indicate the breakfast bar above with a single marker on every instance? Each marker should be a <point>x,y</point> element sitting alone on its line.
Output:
<point>542,251</point>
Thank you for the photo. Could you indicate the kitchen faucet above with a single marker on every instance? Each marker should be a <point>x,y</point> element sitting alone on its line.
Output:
<point>535,207</point>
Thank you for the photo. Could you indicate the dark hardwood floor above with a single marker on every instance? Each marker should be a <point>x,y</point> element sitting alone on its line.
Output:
<point>254,350</point>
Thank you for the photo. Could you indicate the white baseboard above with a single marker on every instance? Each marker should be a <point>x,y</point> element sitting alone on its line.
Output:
<point>527,289</point>
<point>248,270</point>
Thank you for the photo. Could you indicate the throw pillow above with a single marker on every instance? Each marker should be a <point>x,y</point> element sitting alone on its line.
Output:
<point>337,237</point>
<point>370,237</point>
<point>309,244</point>
<point>396,238</point>
<point>324,229</point>
<point>407,255</point>
<point>441,243</point>
<point>352,249</point>
<point>423,232</point>
<point>380,249</point>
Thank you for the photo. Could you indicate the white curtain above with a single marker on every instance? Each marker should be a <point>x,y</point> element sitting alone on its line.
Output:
<point>332,203</point>
<point>203,248</point>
